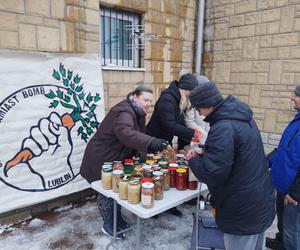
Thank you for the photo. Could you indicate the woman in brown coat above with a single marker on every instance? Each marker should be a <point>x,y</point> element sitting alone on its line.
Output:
<point>120,135</point>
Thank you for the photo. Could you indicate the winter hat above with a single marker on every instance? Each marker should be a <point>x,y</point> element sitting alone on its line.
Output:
<point>297,90</point>
<point>187,82</point>
<point>206,95</point>
<point>200,79</point>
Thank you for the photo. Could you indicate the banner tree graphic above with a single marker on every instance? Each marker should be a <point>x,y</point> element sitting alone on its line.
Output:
<point>81,104</point>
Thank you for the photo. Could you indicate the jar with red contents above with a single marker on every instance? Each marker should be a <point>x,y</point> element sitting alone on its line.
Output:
<point>187,173</point>
<point>180,179</point>
<point>172,168</point>
<point>193,181</point>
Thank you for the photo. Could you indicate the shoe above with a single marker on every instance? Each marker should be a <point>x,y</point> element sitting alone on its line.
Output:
<point>108,230</point>
<point>192,202</point>
<point>122,224</point>
<point>175,212</point>
<point>274,243</point>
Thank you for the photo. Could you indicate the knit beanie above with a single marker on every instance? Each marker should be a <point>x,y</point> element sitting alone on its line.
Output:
<point>206,95</point>
<point>187,82</point>
<point>297,90</point>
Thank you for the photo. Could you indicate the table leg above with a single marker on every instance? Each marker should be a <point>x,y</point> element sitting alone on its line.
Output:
<point>115,220</point>
<point>138,232</point>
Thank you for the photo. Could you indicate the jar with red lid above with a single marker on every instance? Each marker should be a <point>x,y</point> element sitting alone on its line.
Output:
<point>180,180</point>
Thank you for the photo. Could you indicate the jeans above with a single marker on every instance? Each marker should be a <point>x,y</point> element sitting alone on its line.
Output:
<point>291,227</point>
<point>244,242</point>
<point>279,212</point>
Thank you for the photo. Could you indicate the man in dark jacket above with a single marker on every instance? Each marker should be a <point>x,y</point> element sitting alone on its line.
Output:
<point>285,173</point>
<point>234,167</point>
<point>120,135</point>
<point>167,119</point>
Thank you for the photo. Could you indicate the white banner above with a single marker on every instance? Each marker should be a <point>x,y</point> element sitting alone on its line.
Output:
<point>50,106</point>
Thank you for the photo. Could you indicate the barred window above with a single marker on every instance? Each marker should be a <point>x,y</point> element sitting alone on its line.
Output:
<point>118,45</point>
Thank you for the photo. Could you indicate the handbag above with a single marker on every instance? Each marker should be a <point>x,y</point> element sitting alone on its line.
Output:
<point>206,233</point>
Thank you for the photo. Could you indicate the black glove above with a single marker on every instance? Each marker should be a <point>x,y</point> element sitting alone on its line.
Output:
<point>157,145</point>
<point>142,157</point>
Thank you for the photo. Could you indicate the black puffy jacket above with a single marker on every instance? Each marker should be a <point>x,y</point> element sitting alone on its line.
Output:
<point>235,170</point>
<point>167,121</point>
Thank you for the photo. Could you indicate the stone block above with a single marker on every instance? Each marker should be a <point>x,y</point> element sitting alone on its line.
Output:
<point>284,116</point>
<point>280,127</point>
<point>247,30</point>
<point>264,137</point>
<point>284,52</point>
<point>260,66</point>
<point>287,19</point>
<point>228,10</point>
<point>58,8</point>
<point>137,77</point>
<point>9,39</point>
<point>222,72</point>
<point>27,35</point>
<point>295,52</point>
<point>67,36</point>
<point>245,6</point>
<point>241,90</point>
<point>221,31</point>
<point>73,13</point>
<point>93,4</point>
<point>12,5</point>
<point>265,4</point>
<point>236,20</point>
<point>281,103</point>
<point>50,22</point>
<point>273,27</point>
<point>8,21</point>
<point>275,72</point>
<point>247,78</point>
<point>251,18</point>
<point>287,79</point>
<point>233,32</point>
<point>91,46</point>
<point>270,120</point>
<point>280,3</point>
<point>250,48</point>
<point>268,53</point>
<point>262,78</point>
<point>167,72</point>
<point>235,55</point>
<point>241,66</point>
<point>270,15</point>
<point>30,19</point>
<point>254,95</point>
<point>92,17</point>
<point>265,41</point>
<point>285,39</point>
<point>261,29</point>
<point>291,66</point>
<point>297,24</point>
<point>48,39</point>
<point>265,102</point>
<point>220,56</point>
<point>41,9</point>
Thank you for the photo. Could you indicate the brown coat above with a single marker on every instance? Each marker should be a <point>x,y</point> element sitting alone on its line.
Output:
<point>120,135</point>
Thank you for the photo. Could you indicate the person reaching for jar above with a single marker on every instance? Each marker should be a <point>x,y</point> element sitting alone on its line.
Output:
<point>121,135</point>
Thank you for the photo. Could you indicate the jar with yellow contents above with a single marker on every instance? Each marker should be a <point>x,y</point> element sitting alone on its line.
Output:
<point>167,179</point>
<point>116,177</point>
<point>134,192</point>
<point>158,185</point>
<point>106,177</point>
<point>123,188</point>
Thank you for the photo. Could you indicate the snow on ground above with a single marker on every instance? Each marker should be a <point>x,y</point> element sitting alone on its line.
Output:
<point>79,227</point>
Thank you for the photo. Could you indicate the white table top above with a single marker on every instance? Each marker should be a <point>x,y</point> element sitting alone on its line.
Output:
<point>172,198</point>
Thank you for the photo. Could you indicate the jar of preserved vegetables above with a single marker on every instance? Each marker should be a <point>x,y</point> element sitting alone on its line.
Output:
<point>193,181</point>
<point>158,185</point>
<point>134,192</point>
<point>106,177</point>
<point>147,197</point>
<point>167,179</point>
<point>123,188</point>
<point>116,177</point>
<point>181,176</point>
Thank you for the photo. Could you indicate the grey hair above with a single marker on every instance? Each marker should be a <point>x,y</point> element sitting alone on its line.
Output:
<point>142,88</point>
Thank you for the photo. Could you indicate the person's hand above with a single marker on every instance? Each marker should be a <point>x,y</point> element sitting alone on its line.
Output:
<point>157,145</point>
<point>289,200</point>
<point>191,154</point>
<point>142,157</point>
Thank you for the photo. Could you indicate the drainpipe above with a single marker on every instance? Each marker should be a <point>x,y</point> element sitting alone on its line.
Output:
<point>199,41</point>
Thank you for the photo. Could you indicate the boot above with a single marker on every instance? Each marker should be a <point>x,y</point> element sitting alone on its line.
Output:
<point>274,243</point>
<point>106,208</point>
<point>175,212</point>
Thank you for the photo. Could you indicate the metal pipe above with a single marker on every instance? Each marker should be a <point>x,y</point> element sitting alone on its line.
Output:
<point>199,41</point>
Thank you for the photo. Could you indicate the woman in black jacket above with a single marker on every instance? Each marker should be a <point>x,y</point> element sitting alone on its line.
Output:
<point>167,119</point>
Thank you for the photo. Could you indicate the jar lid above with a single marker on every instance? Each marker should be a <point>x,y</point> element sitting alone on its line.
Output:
<point>108,163</point>
<point>134,182</point>
<point>164,171</point>
<point>172,168</point>
<point>146,179</point>
<point>149,162</point>
<point>117,161</point>
<point>145,166</point>
<point>128,161</point>
<point>180,155</point>
<point>157,173</point>
<point>118,172</point>
<point>148,185</point>
<point>107,168</point>
<point>173,165</point>
<point>156,157</point>
<point>181,170</point>
<point>162,162</point>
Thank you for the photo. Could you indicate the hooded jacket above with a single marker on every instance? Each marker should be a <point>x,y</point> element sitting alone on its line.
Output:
<point>167,121</point>
<point>120,135</point>
<point>235,170</point>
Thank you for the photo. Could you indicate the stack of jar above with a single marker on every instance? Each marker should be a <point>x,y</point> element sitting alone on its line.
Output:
<point>145,183</point>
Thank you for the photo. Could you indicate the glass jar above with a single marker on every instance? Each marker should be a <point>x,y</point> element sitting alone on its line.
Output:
<point>117,165</point>
<point>167,179</point>
<point>147,171</point>
<point>123,188</point>
<point>193,181</point>
<point>128,168</point>
<point>156,167</point>
<point>138,170</point>
<point>116,176</point>
<point>149,162</point>
<point>106,177</point>
<point>158,185</point>
<point>156,159</point>
<point>147,197</point>
<point>187,174</point>
<point>134,192</point>
<point>172,168</point>
<point>180,180</point>
<point>179,156</point>
<point>163,164</point>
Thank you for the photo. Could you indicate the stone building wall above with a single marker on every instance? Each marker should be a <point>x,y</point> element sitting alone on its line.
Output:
<point>252,51</point>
